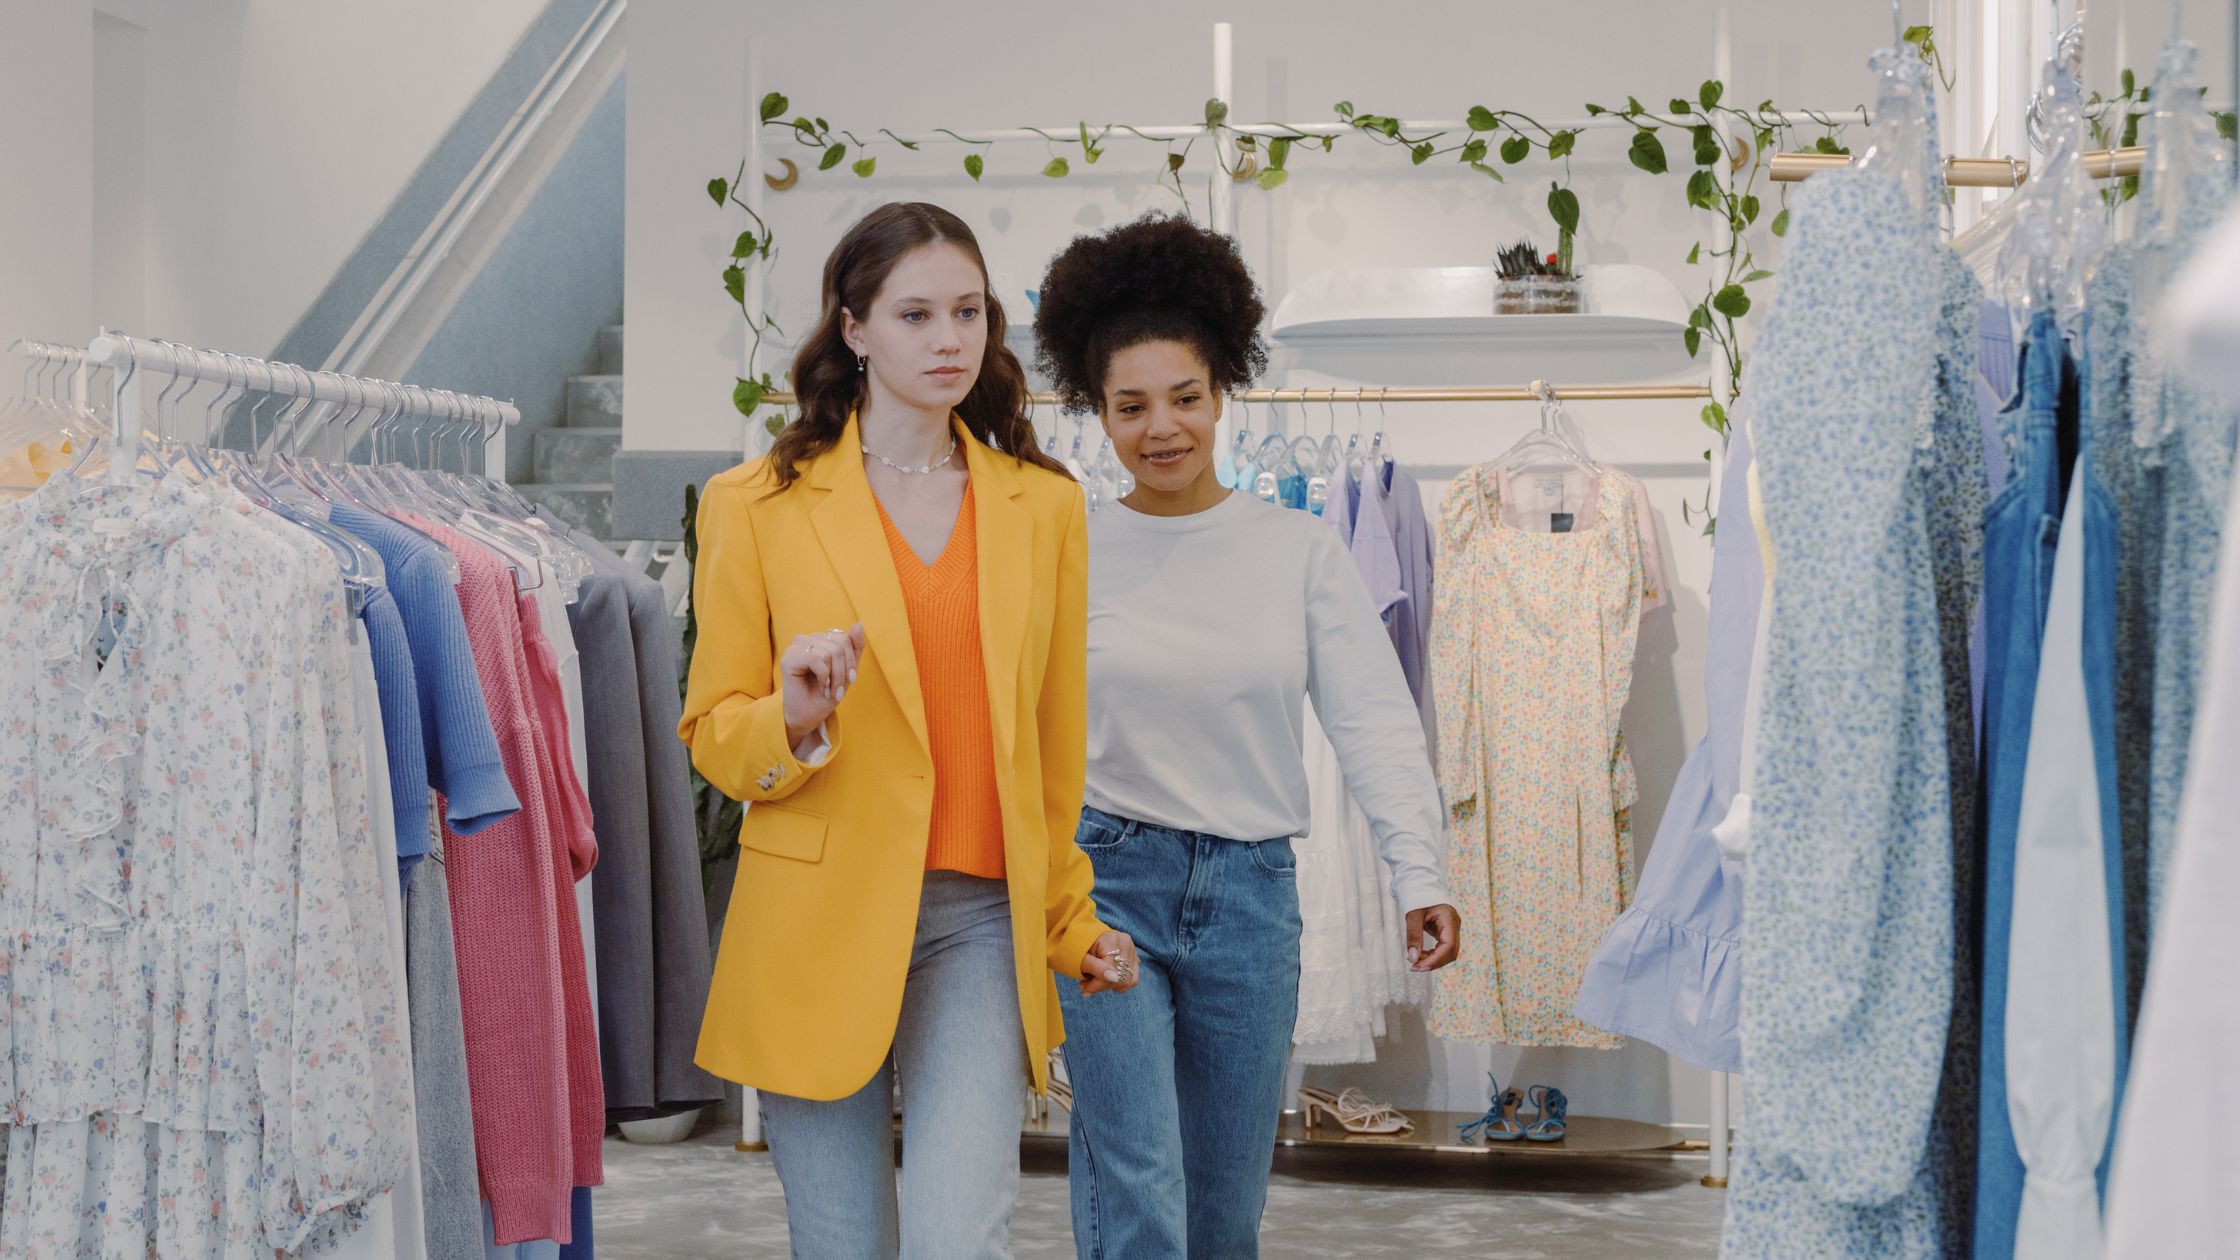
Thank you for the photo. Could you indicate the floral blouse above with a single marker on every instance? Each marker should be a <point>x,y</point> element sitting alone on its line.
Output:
<point>200,1052</point>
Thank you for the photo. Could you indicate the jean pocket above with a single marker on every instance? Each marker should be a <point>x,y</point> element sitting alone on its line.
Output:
<point>1275,857</point>
<point>1097,836</point>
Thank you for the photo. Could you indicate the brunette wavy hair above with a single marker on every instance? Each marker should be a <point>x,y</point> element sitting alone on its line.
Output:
<point>826,382</point>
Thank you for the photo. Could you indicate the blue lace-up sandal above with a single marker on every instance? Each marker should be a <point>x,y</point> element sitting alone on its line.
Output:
<point>1555,1109</point>
<point>1495,1125</point>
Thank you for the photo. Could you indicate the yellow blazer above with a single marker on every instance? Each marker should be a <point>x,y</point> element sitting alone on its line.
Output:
<point>824,909</point>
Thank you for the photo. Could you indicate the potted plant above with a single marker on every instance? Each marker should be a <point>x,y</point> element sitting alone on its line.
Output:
<point>1527,283</point>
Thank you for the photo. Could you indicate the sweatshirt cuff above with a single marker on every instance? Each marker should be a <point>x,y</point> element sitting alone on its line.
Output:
<point>1420,893</point>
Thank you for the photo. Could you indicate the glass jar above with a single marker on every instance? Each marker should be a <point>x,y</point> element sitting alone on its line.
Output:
<point>1536,295</point>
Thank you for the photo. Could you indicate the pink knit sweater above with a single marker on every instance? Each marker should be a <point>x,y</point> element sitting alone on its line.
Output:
<point>532,1053</point>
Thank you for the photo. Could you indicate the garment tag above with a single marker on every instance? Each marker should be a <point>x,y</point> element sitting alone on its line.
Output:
<point>111,526</point>
<point>1560,522</point>
<point>1551,486</point>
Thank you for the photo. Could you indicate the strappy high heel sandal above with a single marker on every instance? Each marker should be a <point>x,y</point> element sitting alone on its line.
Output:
<point>1495,1125</point>
<point>1555,1111</point>
<point>1354,1111</point>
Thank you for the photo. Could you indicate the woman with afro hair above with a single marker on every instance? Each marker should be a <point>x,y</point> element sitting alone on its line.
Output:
<point>1212,617</point>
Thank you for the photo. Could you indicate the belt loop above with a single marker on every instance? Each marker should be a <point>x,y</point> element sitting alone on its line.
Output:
<point>1129,827</point>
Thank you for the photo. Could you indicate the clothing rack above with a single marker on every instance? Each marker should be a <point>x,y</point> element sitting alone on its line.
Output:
<point>2005,172</point>
<point>128,358</point>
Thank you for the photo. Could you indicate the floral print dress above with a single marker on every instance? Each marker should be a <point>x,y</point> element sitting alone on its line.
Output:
<point>1856,1032</point>
<point>200,1048</point>
<point>1532,649</point>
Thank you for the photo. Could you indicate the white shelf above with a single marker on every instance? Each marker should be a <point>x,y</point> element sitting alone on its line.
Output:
<point>1622,302</point>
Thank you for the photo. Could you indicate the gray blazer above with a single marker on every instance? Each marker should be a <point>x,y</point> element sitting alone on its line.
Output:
<point>649,913</point>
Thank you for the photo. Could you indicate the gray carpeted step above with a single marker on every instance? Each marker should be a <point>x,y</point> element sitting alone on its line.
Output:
<point>594,402</point>
<point>582,456</point>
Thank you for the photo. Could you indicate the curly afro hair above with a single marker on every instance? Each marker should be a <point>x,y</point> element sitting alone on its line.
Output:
<point>1160,278</point>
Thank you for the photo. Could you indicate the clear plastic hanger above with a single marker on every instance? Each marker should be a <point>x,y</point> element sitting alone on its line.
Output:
<point>1332,453</point>
<point>1076,461</point>
<point>1377,456</point>
<point>97,451</point>
<point>1049,443</point>
<point>1272,458</point>
<point>1546,446</point>
<point>472,512</point>
<point>2059,221</point>
<point>2184,186</point>
<point>43,411</point>
<point>2188,174</point>
<point>296,500</point>
<point>1898,139</point>
<point>1240,453</point>
<point>1355,460</point>
<point>1110,474</point>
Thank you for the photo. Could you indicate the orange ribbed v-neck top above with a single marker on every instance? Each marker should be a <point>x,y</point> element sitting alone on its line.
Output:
<point>943,601</point>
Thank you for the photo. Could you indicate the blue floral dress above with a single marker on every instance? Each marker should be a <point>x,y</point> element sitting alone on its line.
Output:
<point>1871,485</point>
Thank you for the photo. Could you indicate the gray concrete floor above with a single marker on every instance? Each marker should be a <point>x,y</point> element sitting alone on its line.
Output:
<point>703,1199</point>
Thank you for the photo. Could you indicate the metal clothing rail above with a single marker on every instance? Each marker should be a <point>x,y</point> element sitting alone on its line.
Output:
<point>1535,392</point>
<point>1789,168</point>
<point>131,358</point>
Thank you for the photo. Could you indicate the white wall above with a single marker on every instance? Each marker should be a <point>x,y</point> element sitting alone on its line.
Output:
<point>46,145</point>
<point>278,132</point>
<point>263,141</point>
<point>1014,64</point>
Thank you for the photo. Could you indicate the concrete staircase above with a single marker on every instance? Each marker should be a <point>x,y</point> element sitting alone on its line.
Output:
<point>572,464</point>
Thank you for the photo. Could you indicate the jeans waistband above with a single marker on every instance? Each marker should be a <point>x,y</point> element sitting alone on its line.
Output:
<point>1135,826</point>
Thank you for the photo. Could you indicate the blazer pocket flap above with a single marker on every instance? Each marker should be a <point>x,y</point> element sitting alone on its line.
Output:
<point>786,833</point>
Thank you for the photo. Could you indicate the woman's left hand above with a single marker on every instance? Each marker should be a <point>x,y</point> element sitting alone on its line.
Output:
<point>1434,937</point>
<point>1111,965</point>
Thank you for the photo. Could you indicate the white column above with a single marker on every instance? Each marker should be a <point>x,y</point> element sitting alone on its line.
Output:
<point>1224,89</point>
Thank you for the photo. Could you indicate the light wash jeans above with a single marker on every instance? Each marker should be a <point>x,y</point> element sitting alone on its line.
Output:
<point>961,1056</point>
<point>1177,1085</point>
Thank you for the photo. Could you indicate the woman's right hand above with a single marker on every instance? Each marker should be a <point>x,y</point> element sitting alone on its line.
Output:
<point>817,669</point>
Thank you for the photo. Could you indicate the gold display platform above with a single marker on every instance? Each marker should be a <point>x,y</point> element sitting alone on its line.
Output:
<point>1438,1131</point>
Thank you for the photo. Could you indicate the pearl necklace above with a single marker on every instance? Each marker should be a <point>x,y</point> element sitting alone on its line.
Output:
<point>950,454</point>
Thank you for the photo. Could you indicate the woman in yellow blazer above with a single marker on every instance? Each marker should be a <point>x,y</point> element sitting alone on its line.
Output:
<point>890,670</point>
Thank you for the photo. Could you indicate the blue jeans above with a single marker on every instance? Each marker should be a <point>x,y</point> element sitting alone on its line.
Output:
<point>961,1057</point>
<point>1178,1084</point>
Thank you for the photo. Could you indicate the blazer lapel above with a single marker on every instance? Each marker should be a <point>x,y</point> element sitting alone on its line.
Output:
<point>1006,558</point>
<point>847,523</point>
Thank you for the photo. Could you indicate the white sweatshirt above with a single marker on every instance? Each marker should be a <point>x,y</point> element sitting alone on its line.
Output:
<point>1205,634</point>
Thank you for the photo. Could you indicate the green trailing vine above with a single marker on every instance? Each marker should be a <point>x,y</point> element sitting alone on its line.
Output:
<point>1497,143</point>
<point>1494,141</point>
